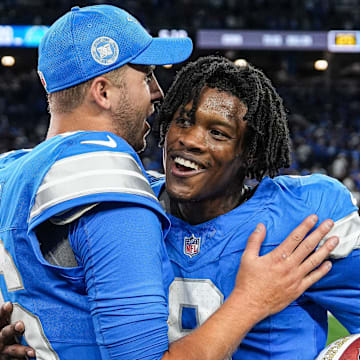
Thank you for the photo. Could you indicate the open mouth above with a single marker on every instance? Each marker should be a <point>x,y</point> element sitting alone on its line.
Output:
<point>186,165</point>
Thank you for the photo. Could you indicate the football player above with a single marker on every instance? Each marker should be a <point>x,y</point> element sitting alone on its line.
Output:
<point>222,124</point>
<point>81,231</point>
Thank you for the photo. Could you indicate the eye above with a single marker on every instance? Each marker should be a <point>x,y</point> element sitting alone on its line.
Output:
<point>183,122</point>
<point>149,77</point>
<point>219,135</point>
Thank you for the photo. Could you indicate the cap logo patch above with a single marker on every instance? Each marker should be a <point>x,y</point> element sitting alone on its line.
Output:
<point>104,50</point>
<point>192,245</point>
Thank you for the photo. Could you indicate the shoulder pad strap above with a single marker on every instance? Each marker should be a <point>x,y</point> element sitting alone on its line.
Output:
<point>68,216</point>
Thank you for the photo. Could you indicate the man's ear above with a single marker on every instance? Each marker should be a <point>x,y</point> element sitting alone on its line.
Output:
<point>100,92</point>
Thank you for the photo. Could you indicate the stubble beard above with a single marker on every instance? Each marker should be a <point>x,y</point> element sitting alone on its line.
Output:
<point>125,119</point>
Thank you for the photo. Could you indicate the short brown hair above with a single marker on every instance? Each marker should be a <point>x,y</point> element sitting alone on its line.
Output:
<point>65,101</point>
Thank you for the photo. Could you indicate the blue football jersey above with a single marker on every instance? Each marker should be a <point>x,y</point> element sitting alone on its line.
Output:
<point>206,259</point>
<point>64,181</point>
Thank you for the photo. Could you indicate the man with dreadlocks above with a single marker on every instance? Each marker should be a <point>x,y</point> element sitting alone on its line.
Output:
<point>221,125</point>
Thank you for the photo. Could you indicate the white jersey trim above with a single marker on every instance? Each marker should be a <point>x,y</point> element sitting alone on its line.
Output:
<point>348,231</point>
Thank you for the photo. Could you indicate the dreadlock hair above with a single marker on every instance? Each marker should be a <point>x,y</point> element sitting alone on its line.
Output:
<point>267,142</point>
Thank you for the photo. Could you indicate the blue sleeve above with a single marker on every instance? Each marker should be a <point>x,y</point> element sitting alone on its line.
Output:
<point>328,197</point>
<point>122,252</point>
<point>339,291</point>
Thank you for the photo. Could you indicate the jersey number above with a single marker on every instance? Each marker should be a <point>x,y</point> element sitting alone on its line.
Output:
<point>199,294</point>
<point>35,336</point>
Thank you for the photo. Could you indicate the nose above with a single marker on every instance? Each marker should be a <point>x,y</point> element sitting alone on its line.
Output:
<point>193,138</point>
<point>156,92</point>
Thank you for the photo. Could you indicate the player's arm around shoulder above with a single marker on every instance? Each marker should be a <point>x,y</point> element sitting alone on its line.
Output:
<point>264,286</point>
<point>121,250</point>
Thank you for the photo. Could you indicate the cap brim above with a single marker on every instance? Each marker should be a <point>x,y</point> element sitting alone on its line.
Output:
<point>164,51</point>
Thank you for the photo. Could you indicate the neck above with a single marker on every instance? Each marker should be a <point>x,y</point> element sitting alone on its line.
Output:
<point>197,212</point>
<point>60,124</point>
<point>78,120</point>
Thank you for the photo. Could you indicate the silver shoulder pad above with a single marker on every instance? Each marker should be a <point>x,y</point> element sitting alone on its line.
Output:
<point>87,174</point>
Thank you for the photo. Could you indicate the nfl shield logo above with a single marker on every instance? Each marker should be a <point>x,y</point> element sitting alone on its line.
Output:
<point>191,245</point>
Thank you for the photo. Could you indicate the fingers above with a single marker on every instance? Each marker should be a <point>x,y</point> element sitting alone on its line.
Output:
<point>316,275</point>
<point>287,247</point>
<point>5,313</point>
<point>9,348</point>
<point>308,245</point>
<point>255,240</point>
<point>17,351</point>
<point>319,256</point>
<point>9,333</point>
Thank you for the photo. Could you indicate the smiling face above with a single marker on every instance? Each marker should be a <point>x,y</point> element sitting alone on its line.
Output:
<point>203,158</point>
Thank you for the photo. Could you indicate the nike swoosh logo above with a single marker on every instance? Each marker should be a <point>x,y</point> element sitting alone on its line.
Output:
<point>109,143</point>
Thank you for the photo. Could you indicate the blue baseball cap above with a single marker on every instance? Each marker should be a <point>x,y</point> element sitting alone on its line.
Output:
<point>93,40</point>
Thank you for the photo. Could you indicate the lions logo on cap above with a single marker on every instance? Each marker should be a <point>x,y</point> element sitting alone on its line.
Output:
<point>104,50</point>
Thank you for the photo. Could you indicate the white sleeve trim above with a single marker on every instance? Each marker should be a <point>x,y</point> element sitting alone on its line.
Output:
<point>348,231</point>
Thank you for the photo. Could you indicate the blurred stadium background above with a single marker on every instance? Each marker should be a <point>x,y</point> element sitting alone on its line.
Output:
<point>310,50</point>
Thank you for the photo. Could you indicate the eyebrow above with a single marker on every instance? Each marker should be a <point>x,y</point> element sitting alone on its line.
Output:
<point>144,68</point>
<point>148,68</point>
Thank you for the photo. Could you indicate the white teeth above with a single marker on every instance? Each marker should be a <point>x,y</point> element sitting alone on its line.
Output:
<point>187,163</point>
